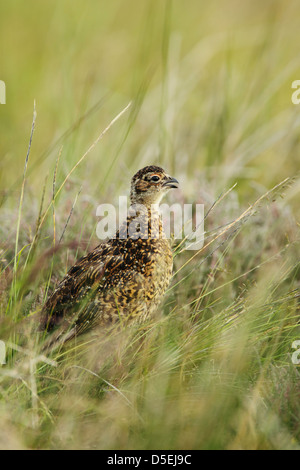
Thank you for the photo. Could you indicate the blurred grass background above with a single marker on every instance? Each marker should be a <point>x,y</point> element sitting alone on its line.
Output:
<point>210,85</point>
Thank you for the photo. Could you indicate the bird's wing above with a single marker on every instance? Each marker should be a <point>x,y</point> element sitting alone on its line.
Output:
<point>77,287</point>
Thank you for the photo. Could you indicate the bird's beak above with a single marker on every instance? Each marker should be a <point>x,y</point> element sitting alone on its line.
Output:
<point>170,182</point>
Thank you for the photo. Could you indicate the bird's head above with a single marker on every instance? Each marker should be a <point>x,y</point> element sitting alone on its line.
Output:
<point>150,184</point>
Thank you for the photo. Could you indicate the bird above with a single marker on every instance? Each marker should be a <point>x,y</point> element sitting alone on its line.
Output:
<point>124,278</point>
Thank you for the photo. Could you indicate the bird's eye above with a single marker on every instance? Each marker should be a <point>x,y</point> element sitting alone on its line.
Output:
<point>155,178</point>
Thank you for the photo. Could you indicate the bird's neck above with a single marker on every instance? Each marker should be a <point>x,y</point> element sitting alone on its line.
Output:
<point>143,222</point>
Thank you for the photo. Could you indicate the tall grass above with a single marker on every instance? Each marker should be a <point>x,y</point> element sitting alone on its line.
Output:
<point>210,95</point>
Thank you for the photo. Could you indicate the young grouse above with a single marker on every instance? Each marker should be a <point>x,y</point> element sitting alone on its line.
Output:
<point>123,278</point>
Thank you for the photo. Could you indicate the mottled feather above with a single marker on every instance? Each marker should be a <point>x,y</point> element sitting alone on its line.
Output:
<point>122,279</point>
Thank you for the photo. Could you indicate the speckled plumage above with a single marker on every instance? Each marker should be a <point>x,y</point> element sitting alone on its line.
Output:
<point>122,279</point>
